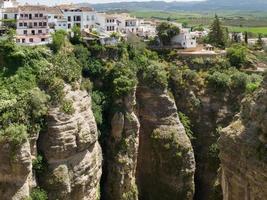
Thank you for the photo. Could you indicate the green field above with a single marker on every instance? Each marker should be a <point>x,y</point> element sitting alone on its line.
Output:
<point>253,22</point>
<point>255,30</point>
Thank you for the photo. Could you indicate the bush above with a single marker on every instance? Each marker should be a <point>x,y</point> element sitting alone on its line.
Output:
<point>59,39</point>
<point>38,194</point>
<point>237,55</point>
<point>239,80</point>
<point>219,80</point>
<point>14,133</point>
<point>67,107</point>
<point>98,103</point>
<point>38,164</point>
<point>123,79</point>
<point>154,75</point>
<point>187,125</point>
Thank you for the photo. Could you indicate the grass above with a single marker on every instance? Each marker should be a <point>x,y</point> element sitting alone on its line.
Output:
<point>255,30</point>
<point>240,21</point>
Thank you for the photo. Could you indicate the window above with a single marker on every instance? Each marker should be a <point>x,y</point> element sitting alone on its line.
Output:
<point>35,24</point>
<point>44,24</point>
<point>26,15</point>
<point>69,19</point>
<point>69,26</point>
<point>20,24</point>
<point>21,15</point>
<point>18,40</point>
<point>40,23</point>
<point>23,40</point>
<point>33,32</point>
<point>31,39</point>
<point>41,15</point>
<point>43,39</point>
<point>36,15</point>
<point>25,32</point>
<point>5,16</point>
<point>25,24</point>
<point>55,17</point>
<point>77,18</point>
<point>40,31</point>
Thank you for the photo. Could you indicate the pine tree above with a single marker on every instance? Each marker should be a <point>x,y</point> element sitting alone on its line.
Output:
<point>259,43</point>
<point>217,35</point>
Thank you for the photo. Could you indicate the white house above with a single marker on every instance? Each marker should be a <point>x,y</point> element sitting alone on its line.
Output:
<point>184,39</point>
<point>146,29</point>
<point>32,25</point>
<point>107,23</point>
<point>7,9</point>
<point>128,24</point>
<point>83,17</point>
<point>56,19</point>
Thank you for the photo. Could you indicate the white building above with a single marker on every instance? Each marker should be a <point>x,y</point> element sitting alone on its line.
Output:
<point>56,19</point>
<point>128,24</point>
<point>83,17</point>
<point>146,29</point>
<point>184,39</point>
<point>32,25</point>
<point>7,10</point>
<point>107,23</point>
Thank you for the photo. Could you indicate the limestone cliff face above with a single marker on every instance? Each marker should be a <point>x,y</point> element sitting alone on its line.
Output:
<point>166,162</point>
<point>70,146</point>
<point>208,111</point>
<point>243,151</point>
<point>122,152</point>
<point>15,171</point>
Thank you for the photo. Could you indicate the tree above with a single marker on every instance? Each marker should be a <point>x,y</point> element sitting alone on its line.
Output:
<point>166,31</point>
<point>259,43</point>
<point>218,34</point>
<point>59,38</point>
<point>237,55</point>
<point>246,37</point>
<point>76,35</point>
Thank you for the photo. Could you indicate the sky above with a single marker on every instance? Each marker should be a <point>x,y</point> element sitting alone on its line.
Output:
<point>52,2</point>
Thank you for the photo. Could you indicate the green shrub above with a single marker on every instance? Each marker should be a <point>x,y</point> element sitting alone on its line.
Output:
<point>187,125</point>
<point>237,55</point>
<point>38,164</point>
<point>98,103</point>
<point>67,107</point>
<point>59,39</point>
<point>155,75</point>
<point>38,194</point>
<point>239,80</point>
<point>123,79</point>
<point>219,80</point>
<point>14,133</point>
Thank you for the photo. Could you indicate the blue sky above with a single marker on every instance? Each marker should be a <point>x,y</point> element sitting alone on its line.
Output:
<point>79,1</point>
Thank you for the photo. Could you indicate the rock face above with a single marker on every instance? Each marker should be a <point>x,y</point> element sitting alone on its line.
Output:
<point>208,111</point>
<point>166,162</point>
<point>243,151</point>
<point>15,171</point>
<point>70,146</point>
<point>122,152</point>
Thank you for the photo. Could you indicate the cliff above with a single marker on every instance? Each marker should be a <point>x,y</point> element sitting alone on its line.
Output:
<point>71,149</point>
<point>166,162</point>
<point>122,151</point>
<point>243,152</point>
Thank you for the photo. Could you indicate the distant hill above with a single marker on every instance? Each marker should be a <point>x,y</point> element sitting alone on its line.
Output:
<point>242,5</point>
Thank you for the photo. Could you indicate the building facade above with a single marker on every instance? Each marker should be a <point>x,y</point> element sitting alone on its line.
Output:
<point>32,25</point>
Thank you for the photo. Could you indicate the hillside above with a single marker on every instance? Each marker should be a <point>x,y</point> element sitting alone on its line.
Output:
<point>260,5</point>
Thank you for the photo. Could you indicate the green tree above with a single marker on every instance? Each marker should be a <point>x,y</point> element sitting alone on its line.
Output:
<point>237,55</point>
<point>76,35</point>
<point>166,31</point>
<point>218,34</point>
<point>259,43</point>
<point>59,39</point>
